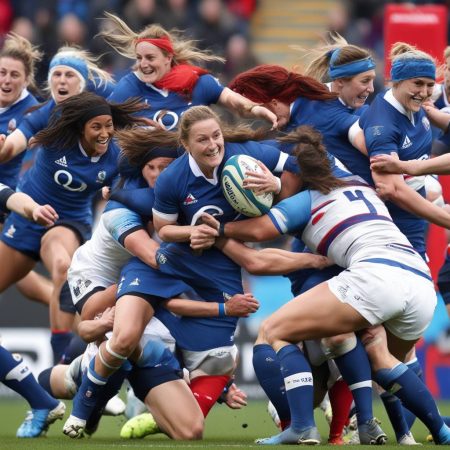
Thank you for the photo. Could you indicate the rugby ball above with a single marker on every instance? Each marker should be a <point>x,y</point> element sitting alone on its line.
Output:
<point>243,200</point>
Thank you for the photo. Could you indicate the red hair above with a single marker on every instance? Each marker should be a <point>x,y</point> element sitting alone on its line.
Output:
<point>268,81</point>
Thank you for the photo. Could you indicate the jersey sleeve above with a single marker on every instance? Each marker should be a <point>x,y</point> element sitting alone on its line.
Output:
<point>166,203</point>
<point>207,90</point>
<point>138,200</point>
<point>381,135</point>
<point>292,214</point>
<point>5,193</point>
<point>121,222</point>
<point>271,156</point>
<point>121,91</point>
<point>34,122</point>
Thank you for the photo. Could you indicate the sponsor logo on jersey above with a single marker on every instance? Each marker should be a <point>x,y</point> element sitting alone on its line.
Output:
<point>426,123</point>
<point>190,200</point>
<point>101,176</point>
<point>62,161</point>
<point>12,125</point>
<point>407,142</point>
<point>135,282</point>
<point>377,130</point>
<point>11,231</point>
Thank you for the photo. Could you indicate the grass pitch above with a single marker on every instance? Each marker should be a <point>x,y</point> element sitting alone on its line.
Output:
<point>224,428</point>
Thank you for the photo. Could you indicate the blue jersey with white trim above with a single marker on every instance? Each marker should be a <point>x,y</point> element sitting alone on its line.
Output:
<point>206,92</point>
<point>183,193</point>
<point>387,129</point>
<point>68,179</point>
<point>333,119</point>
<point>348,225</point>
<point>36,120</point>
<point>10,118</point>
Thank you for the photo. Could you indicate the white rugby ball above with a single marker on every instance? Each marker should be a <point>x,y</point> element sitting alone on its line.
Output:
<point>243,200</point>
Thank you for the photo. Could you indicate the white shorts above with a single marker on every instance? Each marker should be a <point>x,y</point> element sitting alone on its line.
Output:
<point>401,300</point>
<point>217,361</point>
<point>83,277</point>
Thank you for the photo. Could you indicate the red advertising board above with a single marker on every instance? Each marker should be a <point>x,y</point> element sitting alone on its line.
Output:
<point>423,26</point>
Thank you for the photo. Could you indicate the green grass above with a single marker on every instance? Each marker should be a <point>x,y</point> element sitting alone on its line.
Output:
<point>224,428</point>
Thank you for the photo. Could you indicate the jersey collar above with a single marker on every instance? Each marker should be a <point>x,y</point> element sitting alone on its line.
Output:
<point>23,95</point>
<point>93,159</point>
<point>389,97</point>
<point>163,92</point>
<point>198,173</point>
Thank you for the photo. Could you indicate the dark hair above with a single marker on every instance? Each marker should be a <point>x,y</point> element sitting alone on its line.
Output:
<point>66,122</point>
<point>313,159</point>
<point>267,81</point>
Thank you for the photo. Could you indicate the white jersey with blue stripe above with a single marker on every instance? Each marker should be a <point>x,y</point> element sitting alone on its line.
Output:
<point>10,119</point>
<point>68,179</point>
<point>348,225</point>
<point>206,92</point>
<point>183,193</point>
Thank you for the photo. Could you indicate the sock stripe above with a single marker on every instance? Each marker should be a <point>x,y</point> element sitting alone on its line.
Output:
<point>361,384</point>
<point>96,378</point>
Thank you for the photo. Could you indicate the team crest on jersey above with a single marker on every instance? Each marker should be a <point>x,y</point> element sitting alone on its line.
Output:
<point>12,125</point>
<point>377,130</point>
<point>190,200</point>
<point>61,161</point>
<point>11,231</point>
<point>426,123</point>
<point>101,176</point>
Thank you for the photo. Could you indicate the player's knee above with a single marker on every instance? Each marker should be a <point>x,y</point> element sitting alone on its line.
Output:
<point>268,332</point>
<point>192,431</point>
<point>60,267</point>
<point>336,346</point>
<point>125,342</point>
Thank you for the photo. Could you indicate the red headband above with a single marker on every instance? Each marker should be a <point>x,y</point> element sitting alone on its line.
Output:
<point>163,43</point>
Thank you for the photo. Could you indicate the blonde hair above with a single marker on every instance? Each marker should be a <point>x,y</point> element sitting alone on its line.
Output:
<point>320,56</point>
<point>123,39</point>
<point>19,48</point>
<point>402,50</point>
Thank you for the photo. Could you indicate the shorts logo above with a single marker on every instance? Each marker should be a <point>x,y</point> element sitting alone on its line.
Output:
<point>135,282</point>
<point>343,291</point>
<point>190,200</point>
<point>160,258</point>
<point>119,287</point>
<point>81,287</point>
<point>11,231</point>
<point>62,161</point>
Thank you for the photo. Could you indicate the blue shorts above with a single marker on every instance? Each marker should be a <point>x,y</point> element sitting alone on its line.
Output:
<point>65,300</point>
<point>443,281</point>
<point>212,274</point>
<point>25,236</point>
<point>141,280</point>
<point>144,380</point>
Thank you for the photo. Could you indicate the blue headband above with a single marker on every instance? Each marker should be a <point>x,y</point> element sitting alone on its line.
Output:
<point>77,64</point>
<point>349,69</point>
<point>407,68</point>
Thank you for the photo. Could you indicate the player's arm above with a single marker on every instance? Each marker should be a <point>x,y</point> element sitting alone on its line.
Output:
<point>393,188</point>
<point>269,261</point>
<point>12,145</point>
<point>439,165</point>
<point>245,107</point>
<point>92,330</point>
<point>239,305</point>
<point>24,205</point>
<point>140,244</point>
<point>438,118</point>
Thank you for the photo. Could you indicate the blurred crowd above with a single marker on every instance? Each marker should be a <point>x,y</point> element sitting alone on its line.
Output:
<point>219,25</point>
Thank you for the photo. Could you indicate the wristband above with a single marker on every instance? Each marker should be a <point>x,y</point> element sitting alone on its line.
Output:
<point>221,230</point>
<point>278,185</point>
<point>222,312</point>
